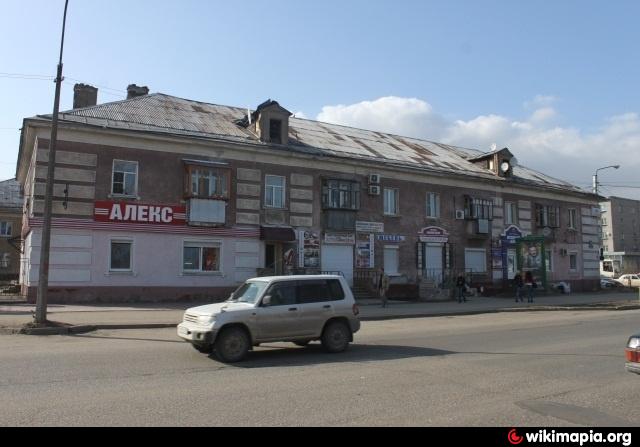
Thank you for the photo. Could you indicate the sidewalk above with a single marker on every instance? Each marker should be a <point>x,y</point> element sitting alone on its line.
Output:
<point>83,318</point>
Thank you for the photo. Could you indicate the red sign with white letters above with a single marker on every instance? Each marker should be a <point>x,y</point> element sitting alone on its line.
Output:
<point>108,211</point>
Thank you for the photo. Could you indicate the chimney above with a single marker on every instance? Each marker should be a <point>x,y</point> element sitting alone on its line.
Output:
<point>84,96</point>
<point>133,91</point>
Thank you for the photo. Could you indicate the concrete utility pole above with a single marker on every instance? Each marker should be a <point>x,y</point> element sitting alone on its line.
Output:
<point>43,279</point>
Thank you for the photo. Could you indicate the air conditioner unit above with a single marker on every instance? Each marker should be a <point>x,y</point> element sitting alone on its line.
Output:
<point>563,252</point>
<point>460,214</point>
<point>374,190</point>
<point>374,179</point>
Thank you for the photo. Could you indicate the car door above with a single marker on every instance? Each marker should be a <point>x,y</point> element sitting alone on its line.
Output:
<point>316,305</point>
<point>280,319</point>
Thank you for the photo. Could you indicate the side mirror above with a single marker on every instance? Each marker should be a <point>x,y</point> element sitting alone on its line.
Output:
<point>266,301</point>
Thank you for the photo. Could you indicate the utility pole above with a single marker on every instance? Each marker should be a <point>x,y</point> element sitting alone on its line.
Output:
<point>43,279</point>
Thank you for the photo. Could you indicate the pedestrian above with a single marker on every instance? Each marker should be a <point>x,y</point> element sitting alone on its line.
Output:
<point>383,286</point>
<point>519,283</point>
<point>529,282</point>
<point>461,286</point>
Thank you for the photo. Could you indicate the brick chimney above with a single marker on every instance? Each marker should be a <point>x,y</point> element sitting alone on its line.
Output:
<point>133,91</point>
<point>84,96</point>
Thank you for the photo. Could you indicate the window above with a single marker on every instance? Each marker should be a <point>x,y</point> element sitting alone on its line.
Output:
<point>549,256</point>
<point>274,191</point>
<point>5,228</point>
<point>121,254</point>
<point>510,213</point>
<point>208,183</point>
<point>125,178</point>
<point>283,294</point>
<point>573,219</point>
<point>201,257</point>
<point>573,262</point>
<point>475,260</point>
<point>478,208</point>
<point>275,131</point>
<point>547,216</point>
<point>341,194</point>
<point>433,204</point>
<point>5,260</point>
<point>391,260</point>
<point>390,201</point>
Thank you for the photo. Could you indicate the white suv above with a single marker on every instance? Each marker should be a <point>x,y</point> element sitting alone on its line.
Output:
<point>275,308</point>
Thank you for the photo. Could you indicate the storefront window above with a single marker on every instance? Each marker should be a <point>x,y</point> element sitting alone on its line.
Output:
<point>201,257</point>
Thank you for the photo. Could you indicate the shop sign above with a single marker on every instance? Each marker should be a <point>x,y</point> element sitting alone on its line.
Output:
<point>369,227</point>
<point>308,249</point>
<point>108,211</point>
<point>339,238</point>
<point>390,238</point>
<point>434,234</point>
<point>365,251</point>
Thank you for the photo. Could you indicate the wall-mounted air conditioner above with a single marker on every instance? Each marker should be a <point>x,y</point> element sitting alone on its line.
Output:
<point>374,179</point>
<point>460,214</point>
<point>374,190</point>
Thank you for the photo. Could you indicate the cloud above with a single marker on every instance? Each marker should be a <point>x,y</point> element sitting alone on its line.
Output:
<point>561,151</point>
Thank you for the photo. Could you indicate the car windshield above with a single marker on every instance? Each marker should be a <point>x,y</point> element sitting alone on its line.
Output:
<point>248,292</point>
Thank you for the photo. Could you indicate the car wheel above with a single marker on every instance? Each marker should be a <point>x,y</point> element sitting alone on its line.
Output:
<point>205,349</point>
<point>232,345</point>
<point>302,342</point>
<point>335,337</point>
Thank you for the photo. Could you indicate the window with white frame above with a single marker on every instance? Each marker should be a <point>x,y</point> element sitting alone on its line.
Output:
<point>475,260</point>
<point>433,204</point>
<point>390,201</point>
<point>274,187</point>
<point>124,181</point>
<point>201,257</point>
<point>5,260</point>
<point>121,255</point>
<point>549,259</point>
<point>573,262</point>
<point>573,219</point>
<point>510,213</point>
<point>5,229</point>
<point>391,258</point>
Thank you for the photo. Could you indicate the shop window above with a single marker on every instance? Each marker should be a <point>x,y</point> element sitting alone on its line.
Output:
<point>124,180</point>
<point>341,194</point>
<point>208,183</point>
<point>5,229</point>
<point>201,257</point>
<point>475,260</point>
<point>391,260</point>
<point>274,189</point>
<point>121,255</point>
<point>390,201</point>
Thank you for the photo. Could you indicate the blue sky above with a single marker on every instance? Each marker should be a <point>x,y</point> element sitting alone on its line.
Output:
<point>556,81</point>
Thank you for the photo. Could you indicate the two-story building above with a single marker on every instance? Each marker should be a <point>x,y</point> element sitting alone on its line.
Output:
<point>159,197</point>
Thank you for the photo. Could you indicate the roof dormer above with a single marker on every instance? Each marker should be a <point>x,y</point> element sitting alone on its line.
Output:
<point>271,122</point>
<point>500,162</point>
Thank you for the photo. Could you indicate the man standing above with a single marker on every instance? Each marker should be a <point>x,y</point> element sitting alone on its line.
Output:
<point>461,286</point>
<point>519,283</point>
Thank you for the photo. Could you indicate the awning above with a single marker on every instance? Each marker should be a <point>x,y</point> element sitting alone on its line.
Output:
<point>277,234</point>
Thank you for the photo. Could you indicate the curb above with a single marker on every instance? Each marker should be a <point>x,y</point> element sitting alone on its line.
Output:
<point>80,329</point>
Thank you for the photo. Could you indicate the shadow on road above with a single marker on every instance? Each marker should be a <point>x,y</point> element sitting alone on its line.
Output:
<point>279,356</point>
<point>111,337</point>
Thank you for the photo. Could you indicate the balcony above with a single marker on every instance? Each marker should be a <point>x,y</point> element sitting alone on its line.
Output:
<point>206,212</point>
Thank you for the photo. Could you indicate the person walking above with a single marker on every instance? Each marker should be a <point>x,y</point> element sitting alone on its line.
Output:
<point>383,286</point>
<point>528,281</point>
<point>461,285</point>
<point>519,284</point>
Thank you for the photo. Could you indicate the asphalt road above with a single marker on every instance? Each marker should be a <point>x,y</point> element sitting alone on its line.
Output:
<point>510,369</point>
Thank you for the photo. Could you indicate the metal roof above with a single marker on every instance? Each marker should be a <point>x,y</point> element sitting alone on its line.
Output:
<point>176,116</point>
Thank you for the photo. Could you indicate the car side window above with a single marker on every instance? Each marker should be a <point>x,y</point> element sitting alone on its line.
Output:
<point>335,290</point>
<point>313,291</point>
<point>283,294</point>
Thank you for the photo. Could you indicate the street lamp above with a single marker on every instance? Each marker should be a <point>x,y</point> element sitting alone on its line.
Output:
<point>595,177</point>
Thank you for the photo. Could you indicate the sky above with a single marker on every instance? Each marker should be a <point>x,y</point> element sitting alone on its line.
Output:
<point>554,81</point>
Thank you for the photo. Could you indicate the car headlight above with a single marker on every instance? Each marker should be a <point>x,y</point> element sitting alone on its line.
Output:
<point>206,319</point>
<point>634,343</point>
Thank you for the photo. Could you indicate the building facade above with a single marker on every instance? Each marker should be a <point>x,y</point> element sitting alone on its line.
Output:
<point>159,197</point>
<point>11,202</point>
<point>620,236</point>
